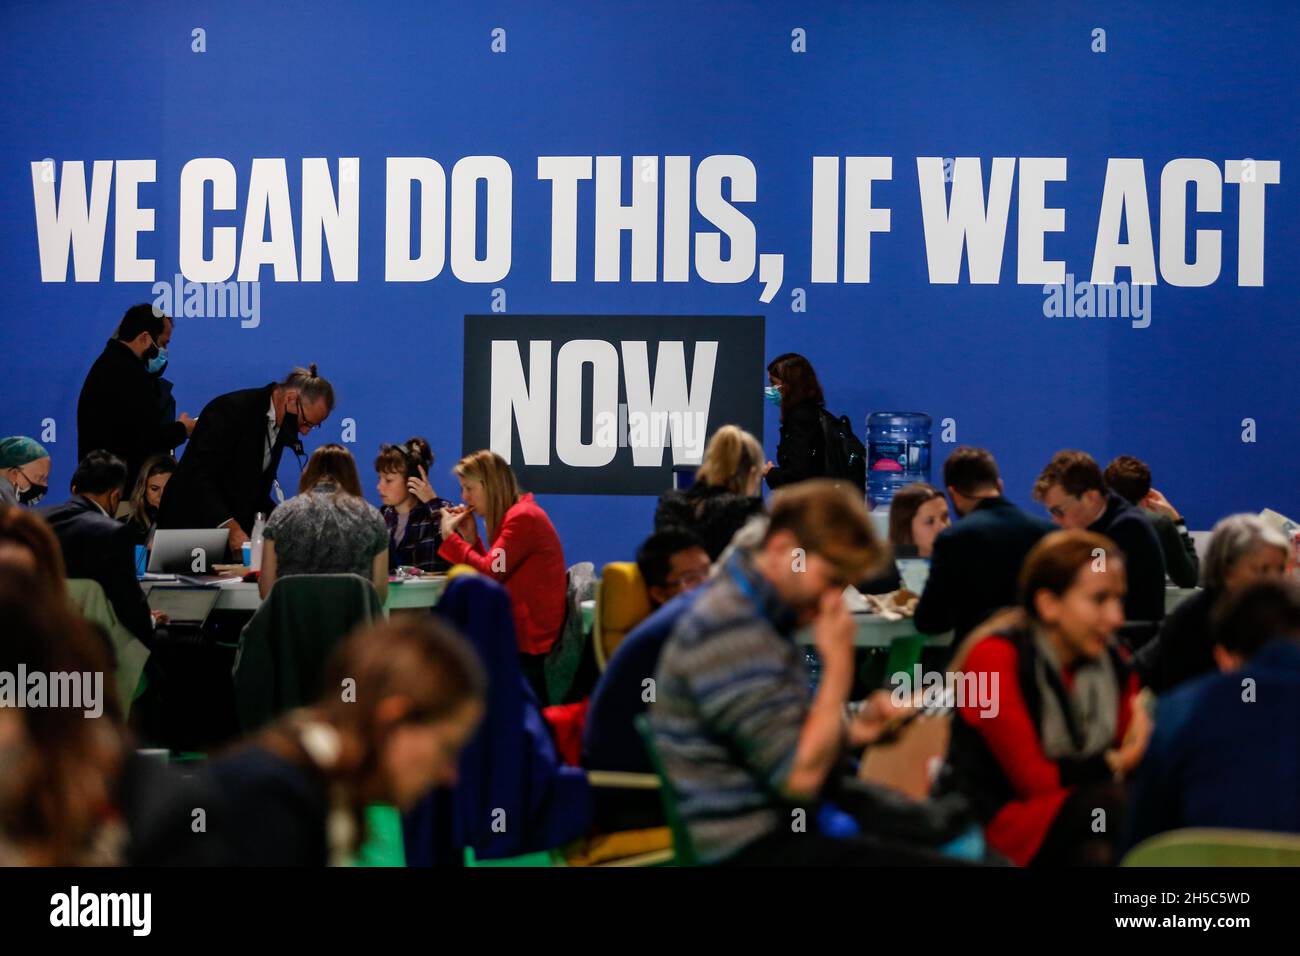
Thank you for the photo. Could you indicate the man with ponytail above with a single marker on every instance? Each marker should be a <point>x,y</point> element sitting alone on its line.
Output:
<point>225,476</point>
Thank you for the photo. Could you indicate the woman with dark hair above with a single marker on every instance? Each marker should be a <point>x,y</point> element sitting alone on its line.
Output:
<point>402,699</point>
<point>327,528</point>
<point>801,453</point>
<point>142,510</point>
<point>725,494</point>
<point>1047,713</point>
<point>916,516</point>
<point>411,508</point>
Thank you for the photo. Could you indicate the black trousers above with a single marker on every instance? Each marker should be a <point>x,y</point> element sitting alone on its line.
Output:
<point>1080,836</point>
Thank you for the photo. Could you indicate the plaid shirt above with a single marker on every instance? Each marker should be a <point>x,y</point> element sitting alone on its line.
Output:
<point>419,545</point>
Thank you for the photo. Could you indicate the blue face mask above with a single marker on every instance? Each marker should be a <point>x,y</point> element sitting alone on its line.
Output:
<point>773,394</point>
<point>156,364</point>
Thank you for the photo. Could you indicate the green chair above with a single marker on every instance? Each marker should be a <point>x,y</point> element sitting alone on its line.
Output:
<point>383,845</point>
<point>1206,847</point>
<point>540,858</point>
<point>904,655</point>
<point>683,850</point>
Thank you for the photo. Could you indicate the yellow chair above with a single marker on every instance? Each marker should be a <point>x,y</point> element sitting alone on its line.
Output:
<point>622,602</point>
<point>1206,847</point>
<point>456,570</point>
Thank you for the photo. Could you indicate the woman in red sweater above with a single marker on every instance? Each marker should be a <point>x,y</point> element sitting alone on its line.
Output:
<point>525,553</point>
<point>1043,760</point>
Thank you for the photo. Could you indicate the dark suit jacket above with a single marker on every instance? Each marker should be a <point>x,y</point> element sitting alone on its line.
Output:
<point>220,475</point>
<point>1214,761</point>
<point>1144,560</point>
<point>975,567</point>
<point>102,549</point>
<point>713,514</point>
<point>118,411</point>
<point>801,452</point>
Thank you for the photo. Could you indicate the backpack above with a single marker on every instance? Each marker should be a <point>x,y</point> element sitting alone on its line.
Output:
<point>846,456</point>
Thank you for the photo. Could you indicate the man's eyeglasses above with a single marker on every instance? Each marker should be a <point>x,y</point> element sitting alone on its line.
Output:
<point>1058,511</point>
<point>304,420</point>
<point>687,579</point>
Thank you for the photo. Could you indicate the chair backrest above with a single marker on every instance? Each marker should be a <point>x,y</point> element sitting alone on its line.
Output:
<point>904,655</point>
<point>683,849</point>
<point>622,602</point>
<point>283,649</point>
<point>88,598</point>
<point>565,655</point>
<point>1207,847</point>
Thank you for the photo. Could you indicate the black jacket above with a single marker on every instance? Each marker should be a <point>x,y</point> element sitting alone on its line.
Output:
<point>1144,560</point>
<point>1181,562</point>
<point>220,475</point>
<point>801,452</point>
<point>975,567</point>
<point>102,549</point>
<point>118,411</point>
<point>714,515</point>
<point>1184,648</point>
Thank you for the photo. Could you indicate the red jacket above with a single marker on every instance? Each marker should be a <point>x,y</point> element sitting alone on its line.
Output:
<point>527,558</point>
<point>1019,827</point>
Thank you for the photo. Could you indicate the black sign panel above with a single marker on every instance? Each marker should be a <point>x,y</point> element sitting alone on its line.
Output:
<point>608,404</point>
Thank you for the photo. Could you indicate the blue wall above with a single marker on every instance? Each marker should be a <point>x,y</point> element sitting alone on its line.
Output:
<point>119,81</point>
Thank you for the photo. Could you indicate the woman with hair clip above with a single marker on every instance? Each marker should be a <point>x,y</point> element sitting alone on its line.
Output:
<point>1056,724</point>
<point>328,528</point>
<point>410,506</point>
<point>295,795</point>
<point>801,453</point>
<point>725,494</point>
<point>142,508</point>
<point>524,554</point>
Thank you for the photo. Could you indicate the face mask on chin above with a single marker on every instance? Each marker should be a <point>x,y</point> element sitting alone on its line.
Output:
<point>32,493</point>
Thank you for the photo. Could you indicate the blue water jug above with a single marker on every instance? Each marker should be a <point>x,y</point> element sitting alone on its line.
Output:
<point>898,453</point>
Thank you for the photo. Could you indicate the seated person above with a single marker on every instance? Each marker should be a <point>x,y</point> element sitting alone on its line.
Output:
<point>670,562</point>
<point>525,555</point>
<point>411,506</point>
<point>916,516</point>
<point>1130,478</point>
<point>97,546</point>
<point>742,738</point>
<point>327,528</point>
<point>726,492</point>
<point>295,794</point>
<point>1039,753</point>
<point>1074,493</point>
<point>674,565</point>
<point>1243,550</point>
<point>142,509</point>
<point>975,563</point>
<point>1223,753</point>
<point>24,471</point>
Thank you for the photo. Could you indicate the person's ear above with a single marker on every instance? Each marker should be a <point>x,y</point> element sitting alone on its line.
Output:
<point>1001,487</point>
<point>1225,660</point>
<point>1047,606</point>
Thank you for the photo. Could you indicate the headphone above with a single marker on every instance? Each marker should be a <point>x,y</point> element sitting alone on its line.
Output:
<point>413,460</point>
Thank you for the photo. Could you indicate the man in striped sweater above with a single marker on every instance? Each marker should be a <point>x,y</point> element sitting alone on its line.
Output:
<point>744,741</point>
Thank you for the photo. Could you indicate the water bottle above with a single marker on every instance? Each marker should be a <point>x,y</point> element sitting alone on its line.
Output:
<point>898,453</point>
<point>813,665</point>
<point>259,526</point>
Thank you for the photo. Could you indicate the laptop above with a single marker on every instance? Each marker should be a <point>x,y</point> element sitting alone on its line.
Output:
<point>187,608</point>
<point>174,551</point>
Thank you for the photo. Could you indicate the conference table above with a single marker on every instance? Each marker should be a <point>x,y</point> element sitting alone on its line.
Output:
<point>238,595</point>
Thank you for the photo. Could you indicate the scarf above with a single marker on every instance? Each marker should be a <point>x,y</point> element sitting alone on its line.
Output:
<point>1081,721</point>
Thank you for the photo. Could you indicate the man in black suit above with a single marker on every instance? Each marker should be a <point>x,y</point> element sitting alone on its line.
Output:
<point>118,410</point>
<point>1074,492</point>
<point>226,474</point>
<point>97,546</point>
<point>975,567</point>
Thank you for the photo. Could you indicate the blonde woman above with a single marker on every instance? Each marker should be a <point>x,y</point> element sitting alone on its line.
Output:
<point>725,494</point>
<point>523,553</point>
